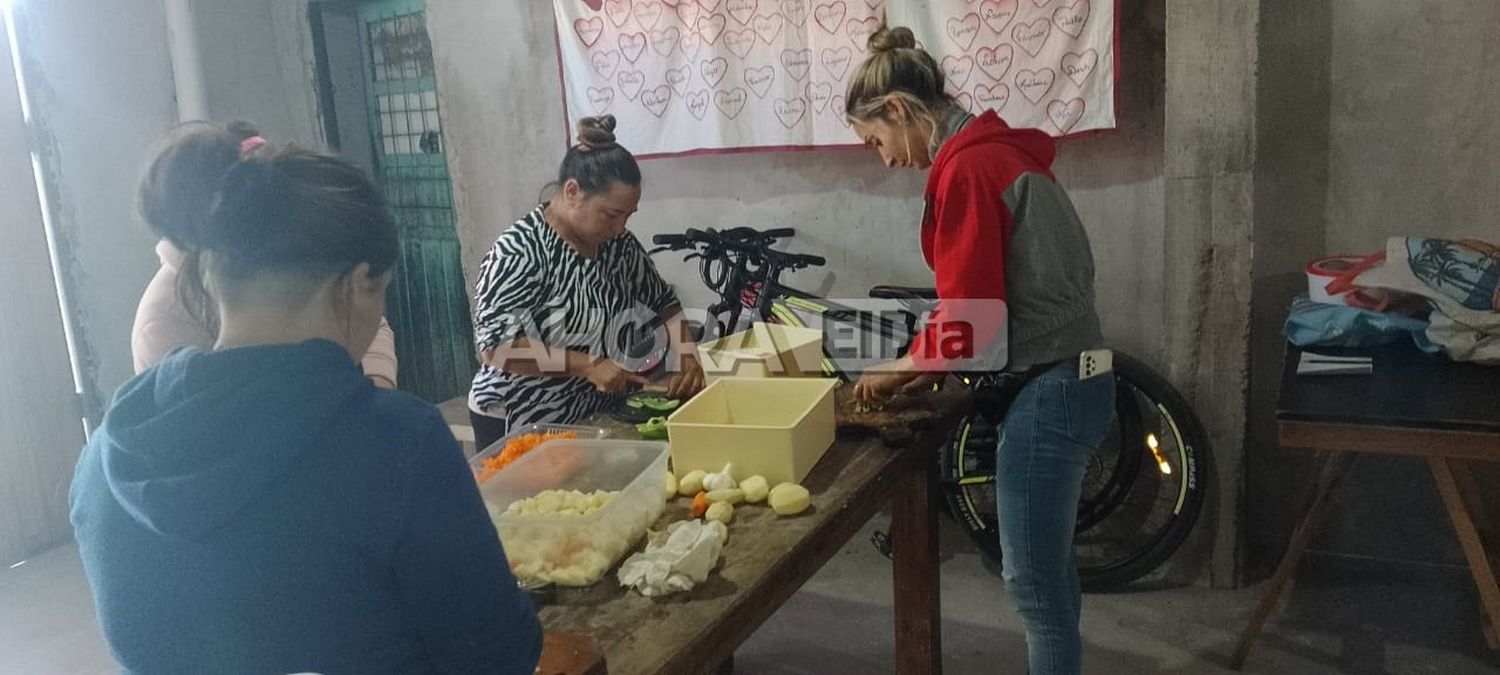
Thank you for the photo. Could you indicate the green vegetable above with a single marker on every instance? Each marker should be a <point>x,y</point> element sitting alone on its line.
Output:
<point>654,429</point>
<point>656,403</point>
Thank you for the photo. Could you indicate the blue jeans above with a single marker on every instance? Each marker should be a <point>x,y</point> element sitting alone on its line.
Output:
<point>1050,432</point>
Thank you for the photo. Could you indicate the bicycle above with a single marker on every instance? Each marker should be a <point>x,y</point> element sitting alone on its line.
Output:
<point>1144,489</point>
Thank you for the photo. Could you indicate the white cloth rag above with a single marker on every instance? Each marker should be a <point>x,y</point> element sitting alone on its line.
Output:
<point>691,550</point>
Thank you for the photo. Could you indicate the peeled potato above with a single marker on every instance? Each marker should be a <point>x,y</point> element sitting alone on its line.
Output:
<point>732,496</point>
<point>789,499</point>
<point>756,489</point>
<point>671,485</point>
<point>692,483</point>
<point>720,512</point>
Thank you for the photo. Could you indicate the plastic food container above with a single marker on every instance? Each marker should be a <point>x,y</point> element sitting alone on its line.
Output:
<point>774,427</point>
<point>766,350</point>
<point>476,463</point>
<point>578,550</point>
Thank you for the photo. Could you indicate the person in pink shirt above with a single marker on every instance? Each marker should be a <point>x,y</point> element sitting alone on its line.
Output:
<point>175,311</point>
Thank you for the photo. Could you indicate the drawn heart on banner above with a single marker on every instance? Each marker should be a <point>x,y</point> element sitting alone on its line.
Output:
<point>600,98</point>
<point>819,93</point>
<point>860,30</point>
<point>1078,67</point>
<point>836,106</point>
<point>964,30</point>
<point>796,62</point>
<point>711,27</point>
<point>1034,84</point>
<point>631,45</point>
<point>678,78</point>
<point>768,26</point>
<point>631,82</point>
<point>589,30</point>
<point>656,100</point>
<point>836,61</point>
<point>1065,115</point>
<point>647,13</point>
<point>739,42</point>
<point>831,16</point>
<point>691,43</point>
<point>1072,18</point>
<point>709,5</point>
<point>687,13</point>
<point>996,62</point>
<point>697,104</point>
<point>992,97</point>
<point>618,12</point>
<point>593,4</point>
<point>965,100</point>
<point>958,70</point>
<point>731,102</point>
<point>1032,36</point>
<point>795,11</point>
<point>790,111</point>
<point>606,63</point>
<point>713,70</point>
<point>997,14</point>
<point>759,80</point>
<point>1041,3</point>
<point>664,41</point>
<point>742,10</point>
<point>875,4</point>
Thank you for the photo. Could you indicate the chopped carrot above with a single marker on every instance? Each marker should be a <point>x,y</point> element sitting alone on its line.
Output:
<point>514,449</point>
<point>700,504</point>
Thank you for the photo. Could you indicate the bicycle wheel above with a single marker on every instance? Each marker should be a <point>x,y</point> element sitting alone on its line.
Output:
<point>1142,492</point>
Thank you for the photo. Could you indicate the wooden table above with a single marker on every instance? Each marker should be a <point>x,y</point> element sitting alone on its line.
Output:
<point>1421,406</point>
<point>767,559</point>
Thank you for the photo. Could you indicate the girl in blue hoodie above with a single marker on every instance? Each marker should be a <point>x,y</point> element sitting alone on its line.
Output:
<point>262,507</point>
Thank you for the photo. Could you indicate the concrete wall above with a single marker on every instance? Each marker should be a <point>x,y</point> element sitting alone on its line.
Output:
<point>497,76</point>
<point>1414,122</point>
<point>258,66</point>
<point>1377,119</point>
<point>1291,195</point>
<point>100,83</point>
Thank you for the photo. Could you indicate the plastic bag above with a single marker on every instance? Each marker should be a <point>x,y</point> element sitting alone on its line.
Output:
<point>1314,324</point>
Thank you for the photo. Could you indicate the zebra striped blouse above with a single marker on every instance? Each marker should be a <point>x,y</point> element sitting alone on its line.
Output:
<point>533,284</point>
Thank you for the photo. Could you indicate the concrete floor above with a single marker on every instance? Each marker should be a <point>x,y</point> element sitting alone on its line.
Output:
<point>1339,620</point>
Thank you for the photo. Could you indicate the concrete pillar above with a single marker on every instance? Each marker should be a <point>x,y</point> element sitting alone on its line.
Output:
<point>1210,152</point>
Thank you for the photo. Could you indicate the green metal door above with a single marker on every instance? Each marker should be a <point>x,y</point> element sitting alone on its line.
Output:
<point>429,309</point>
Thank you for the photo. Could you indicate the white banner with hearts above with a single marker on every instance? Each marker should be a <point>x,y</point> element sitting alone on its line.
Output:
<point>685,76</point>
<point>1040,64</point>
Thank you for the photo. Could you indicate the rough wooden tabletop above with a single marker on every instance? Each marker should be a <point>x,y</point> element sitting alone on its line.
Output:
<point>765,561</point>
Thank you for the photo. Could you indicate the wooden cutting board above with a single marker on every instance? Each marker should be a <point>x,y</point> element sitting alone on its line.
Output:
<point>897,420</point>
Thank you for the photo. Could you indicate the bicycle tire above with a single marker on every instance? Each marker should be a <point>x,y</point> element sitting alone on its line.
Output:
<point>1132,376</point>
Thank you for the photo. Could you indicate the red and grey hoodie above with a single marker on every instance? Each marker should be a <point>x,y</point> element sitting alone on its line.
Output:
<point>1012,262</point>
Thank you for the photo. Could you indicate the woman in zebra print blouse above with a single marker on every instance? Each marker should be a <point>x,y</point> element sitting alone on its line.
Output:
<point>560,293</point>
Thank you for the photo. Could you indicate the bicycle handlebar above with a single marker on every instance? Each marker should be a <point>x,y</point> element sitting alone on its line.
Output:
<point>743,240</point>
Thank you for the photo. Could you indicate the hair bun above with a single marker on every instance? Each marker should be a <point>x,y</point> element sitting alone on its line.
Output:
<point>596,133</point>
<point>888,39</point>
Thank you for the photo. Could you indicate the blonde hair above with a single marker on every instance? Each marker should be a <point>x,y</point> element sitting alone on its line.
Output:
<point>897,70</point>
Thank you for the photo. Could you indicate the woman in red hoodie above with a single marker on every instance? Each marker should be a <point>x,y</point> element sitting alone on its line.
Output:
<point>1015,278</point>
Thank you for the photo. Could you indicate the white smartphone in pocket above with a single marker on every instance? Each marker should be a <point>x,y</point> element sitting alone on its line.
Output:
<point>1095,362</point>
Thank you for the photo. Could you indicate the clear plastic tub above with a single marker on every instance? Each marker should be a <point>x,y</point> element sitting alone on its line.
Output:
<point>476,463</point>
<point>578,550</point>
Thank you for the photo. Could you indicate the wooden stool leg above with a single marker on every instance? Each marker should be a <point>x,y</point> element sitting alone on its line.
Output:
<point>914,552</point>
<point>1334,466</point>
<point>1443,472</point>
<point>1468,489</point>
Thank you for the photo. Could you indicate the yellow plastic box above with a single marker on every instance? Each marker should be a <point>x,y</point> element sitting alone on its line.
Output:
<point>774,427</point>
<point>766,350</point>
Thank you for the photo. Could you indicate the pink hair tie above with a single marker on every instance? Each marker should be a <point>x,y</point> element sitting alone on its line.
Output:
<point>249,145</point>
